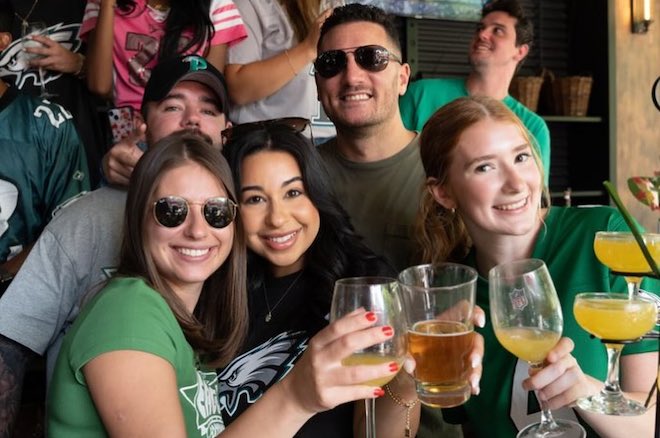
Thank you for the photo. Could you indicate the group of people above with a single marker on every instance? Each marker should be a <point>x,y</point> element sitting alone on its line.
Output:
<point>191,296</point>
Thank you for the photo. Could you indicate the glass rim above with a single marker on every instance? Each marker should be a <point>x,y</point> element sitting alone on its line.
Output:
<point>374,280</point>
<point>626,235</point>
<point>535,265</point>
<point>472,275</point>
<point>612,295</point>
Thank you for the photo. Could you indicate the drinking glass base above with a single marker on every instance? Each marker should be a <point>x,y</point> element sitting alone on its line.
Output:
<point>559,428</point>
<point>611,404</point>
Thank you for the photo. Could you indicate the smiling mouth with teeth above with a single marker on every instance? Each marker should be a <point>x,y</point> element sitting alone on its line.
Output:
<point>282,239</point>
<point>193,252</point>
<point>513,206</point>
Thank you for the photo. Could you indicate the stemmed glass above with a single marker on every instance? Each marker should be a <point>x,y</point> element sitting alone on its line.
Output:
<point>379,295</point>
<point>616,320</point>
<point>36,28</point>
<point>619,251</point>
<point>528,322</point>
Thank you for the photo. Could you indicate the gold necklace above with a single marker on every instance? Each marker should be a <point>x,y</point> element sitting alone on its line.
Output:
<point>24,19</point>
<point>269,315</point>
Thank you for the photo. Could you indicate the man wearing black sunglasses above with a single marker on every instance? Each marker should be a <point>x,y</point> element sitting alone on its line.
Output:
<point>79,249</point>
<point>374,160</point>
<point>500,44</point>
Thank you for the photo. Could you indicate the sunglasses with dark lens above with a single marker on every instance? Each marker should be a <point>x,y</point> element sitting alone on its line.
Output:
<point>171,211</point>
<point>297,124</point>
<point>371,58</point>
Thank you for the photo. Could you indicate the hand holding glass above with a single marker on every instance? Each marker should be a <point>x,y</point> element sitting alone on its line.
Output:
<point>527,319</point>
<point>379,295</point>
<point>439,303</point>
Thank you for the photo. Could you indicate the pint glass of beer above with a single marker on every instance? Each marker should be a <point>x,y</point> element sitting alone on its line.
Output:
<point>439,303</point>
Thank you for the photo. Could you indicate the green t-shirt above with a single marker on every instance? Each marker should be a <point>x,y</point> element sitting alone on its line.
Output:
<point>565,244</point>
<point>424,97</point>
<point>128,315</point>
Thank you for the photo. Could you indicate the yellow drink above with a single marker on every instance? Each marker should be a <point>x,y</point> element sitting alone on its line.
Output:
<point>620,252</point>
<point>372,359</point>
<point>528,343</point>
<point>617,319</point>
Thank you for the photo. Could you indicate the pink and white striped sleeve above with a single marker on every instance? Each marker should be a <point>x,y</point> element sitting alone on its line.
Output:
<point>227,22</point>
<point>90,17</point>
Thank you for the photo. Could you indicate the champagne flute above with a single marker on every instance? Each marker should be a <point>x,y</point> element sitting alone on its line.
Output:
<point>381,296</point>
<point>36,28</point>
<point>528,322</point>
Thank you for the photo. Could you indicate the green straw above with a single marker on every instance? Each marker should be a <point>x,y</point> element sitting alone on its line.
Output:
<point>633,227</point>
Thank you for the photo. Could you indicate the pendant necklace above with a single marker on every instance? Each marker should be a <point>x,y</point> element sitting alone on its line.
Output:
<point>269,315</point>
<point>24,19</point>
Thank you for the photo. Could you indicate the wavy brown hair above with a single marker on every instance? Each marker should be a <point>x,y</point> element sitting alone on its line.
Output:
<point>302,15</point>
<point>218,326</point>
<point>441,232</point>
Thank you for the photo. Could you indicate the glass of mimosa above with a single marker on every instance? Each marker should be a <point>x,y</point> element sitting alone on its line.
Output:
<point>616,320</point>
<point>528,322</point>
<point>619,251</point>
<point>379,295</point>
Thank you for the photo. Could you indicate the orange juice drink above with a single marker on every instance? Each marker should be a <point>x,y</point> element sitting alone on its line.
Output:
<point>620,252</point>
<point>618,319</point>
<point>372,359</point>
<point>528,343</point>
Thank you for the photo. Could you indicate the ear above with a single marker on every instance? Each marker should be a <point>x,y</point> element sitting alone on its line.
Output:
<point>521,52</point>
<point>404,77</point>
<point>5,40</point>
<point>440,193</point>
<point>228,125</point>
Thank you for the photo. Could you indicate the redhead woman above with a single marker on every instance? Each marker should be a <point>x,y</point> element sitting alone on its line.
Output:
<point>482,207</point>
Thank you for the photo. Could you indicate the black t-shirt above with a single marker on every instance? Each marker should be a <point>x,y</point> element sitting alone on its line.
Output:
<point>63,18</point>
<point>274,347</point>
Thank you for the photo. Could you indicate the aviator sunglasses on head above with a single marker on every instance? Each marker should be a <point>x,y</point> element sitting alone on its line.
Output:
<point>371,58</point>
<point>171,211</point>
<point>298,124</point>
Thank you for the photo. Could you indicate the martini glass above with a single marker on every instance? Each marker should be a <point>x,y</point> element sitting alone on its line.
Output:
<point>619,251</point>
<point>615,319</point>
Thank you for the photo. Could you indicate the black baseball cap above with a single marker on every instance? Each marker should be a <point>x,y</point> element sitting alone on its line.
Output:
<point>171,71</point>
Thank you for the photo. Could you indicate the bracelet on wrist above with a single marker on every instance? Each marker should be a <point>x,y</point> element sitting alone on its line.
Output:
<point>407,405</point>
<point>82,70</point>
<point>288,58</point>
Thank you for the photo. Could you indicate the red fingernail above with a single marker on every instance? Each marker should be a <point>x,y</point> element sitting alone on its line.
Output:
<point>389,331</point>
<point>379,392</point>
<point>394,367</point>
<point>371,316</point>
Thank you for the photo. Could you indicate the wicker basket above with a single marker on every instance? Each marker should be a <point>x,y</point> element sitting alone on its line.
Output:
<point>571,95</point>
<point>526,90</point>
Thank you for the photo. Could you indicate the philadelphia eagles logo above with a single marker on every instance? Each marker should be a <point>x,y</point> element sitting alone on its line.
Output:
<point>251,373</point>
<point>14,61</point>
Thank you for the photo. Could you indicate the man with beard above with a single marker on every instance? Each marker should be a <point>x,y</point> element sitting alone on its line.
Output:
<point>501,42</point>
<point>79,249</point>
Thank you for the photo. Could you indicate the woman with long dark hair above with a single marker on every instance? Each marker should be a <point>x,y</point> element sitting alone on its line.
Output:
<point>127,38</point>
<point>300,241</point>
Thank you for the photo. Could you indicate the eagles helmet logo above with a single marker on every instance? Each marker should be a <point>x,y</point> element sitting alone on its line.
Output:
<point>14,61</point>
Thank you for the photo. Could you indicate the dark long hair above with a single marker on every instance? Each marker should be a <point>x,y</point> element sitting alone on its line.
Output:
<point>193,15</point>
<point>337,251</point>
<point>218,325</point>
